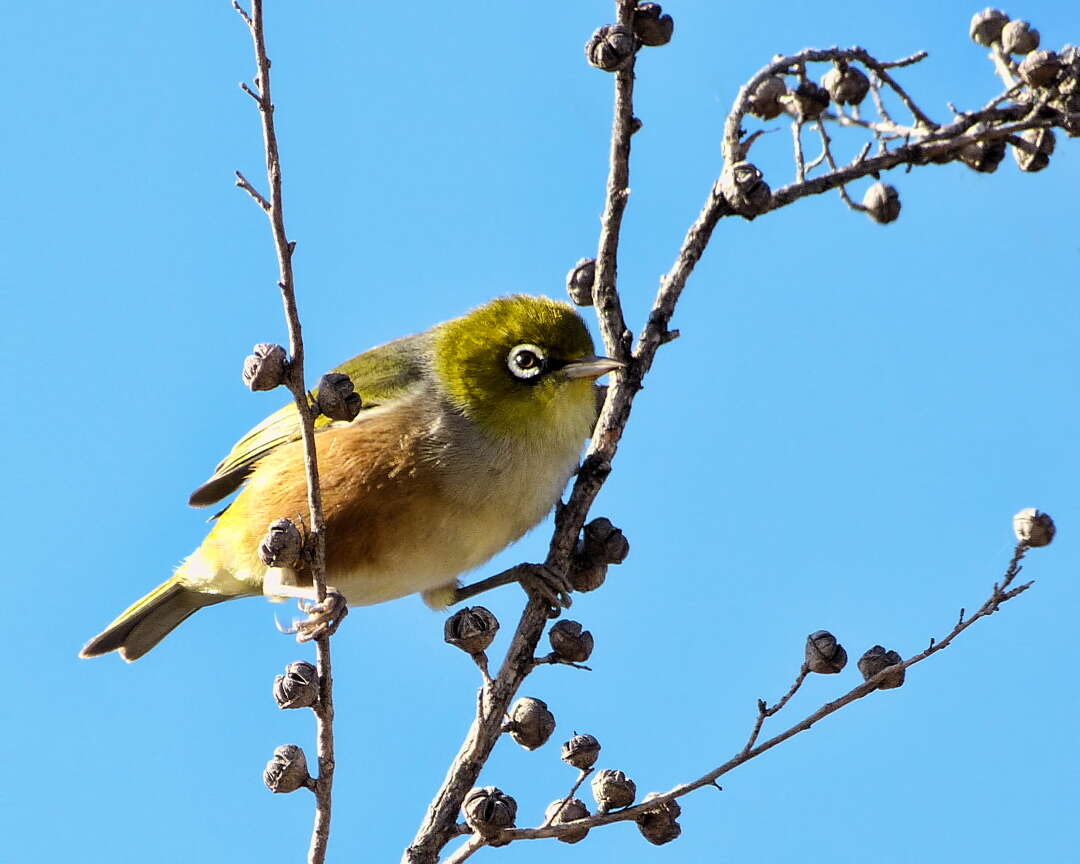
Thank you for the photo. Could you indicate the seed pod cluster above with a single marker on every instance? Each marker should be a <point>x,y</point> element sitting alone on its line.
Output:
<point>611,48</point>
<point>471,628</point>
<point>1040,68</point>
<point>560,812</point>
<point>581,752</point>
<point>882,203</point>
<point>612,790</point>
<point>569,642</point>
<point>766,101</point>
<point>298,687</point>
<point>1019,37</point>
<point>579,282</point>
<point>287,771</point>
<point>877,659</point>
<point>824,654</point>
<point>1036,156</point>
<point>846,84</point>
<point>531,723</point>
<point>986,26</point>
<point>282,546</point>
<point>337,398</point>
<point>488,810</point>
<point>602,541</point>
<point>660,825</point>
<point>651,25</point>
<point>744,188</point>
<point>983,156</point>
<point>264,367</point>
<point>1033,527</point>
<point>810,100</point>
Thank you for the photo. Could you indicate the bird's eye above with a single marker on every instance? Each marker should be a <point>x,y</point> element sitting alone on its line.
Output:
<point>526,361</point>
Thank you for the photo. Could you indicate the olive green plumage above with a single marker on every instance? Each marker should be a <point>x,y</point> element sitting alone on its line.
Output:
<point>468,434</point>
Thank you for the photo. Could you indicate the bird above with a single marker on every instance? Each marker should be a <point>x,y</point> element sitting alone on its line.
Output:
<point>467,436</point>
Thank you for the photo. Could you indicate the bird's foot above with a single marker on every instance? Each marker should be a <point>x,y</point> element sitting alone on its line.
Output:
<point>550,585</point>
<point>324,617</point>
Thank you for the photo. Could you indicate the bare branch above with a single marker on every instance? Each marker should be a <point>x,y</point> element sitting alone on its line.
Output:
<point>274,208</point>
<point>1000,594</point>
<point>605,296</point>
<point>921,143</point>
<point>245,184</point>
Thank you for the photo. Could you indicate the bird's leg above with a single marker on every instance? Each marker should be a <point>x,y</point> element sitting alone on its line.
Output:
<point>324,617</point>
<point>537,579</point>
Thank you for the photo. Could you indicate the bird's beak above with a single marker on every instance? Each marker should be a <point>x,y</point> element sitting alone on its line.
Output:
<point>591,367</point>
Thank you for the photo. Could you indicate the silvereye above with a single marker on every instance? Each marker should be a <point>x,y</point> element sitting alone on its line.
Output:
<point>468,434</point>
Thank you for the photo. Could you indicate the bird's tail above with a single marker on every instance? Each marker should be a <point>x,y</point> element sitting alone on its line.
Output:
<point>147,621</point>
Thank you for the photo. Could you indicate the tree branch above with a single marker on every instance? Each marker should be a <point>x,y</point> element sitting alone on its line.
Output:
<point>925,141</point>
<point>1000,594</point>
<point>274,208</point>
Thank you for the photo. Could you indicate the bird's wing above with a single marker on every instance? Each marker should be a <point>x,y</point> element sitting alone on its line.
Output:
<point>378,375</point>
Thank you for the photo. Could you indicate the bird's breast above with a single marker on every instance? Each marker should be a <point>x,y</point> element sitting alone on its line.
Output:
<point>434,502</point>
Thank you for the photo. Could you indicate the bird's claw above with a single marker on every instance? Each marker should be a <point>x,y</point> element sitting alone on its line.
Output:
<point>324,617</point>
<point>550,585</point>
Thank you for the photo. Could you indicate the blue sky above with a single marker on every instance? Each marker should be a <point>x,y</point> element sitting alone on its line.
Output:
<point>839,439</point>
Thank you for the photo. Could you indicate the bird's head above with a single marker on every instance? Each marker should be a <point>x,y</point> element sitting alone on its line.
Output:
<point>521,367</point>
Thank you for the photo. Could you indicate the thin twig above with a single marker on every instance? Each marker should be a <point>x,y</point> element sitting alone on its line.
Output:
<point>800,160</point>
<point>930,141</point>
<point>605,296</point>
<point>764,711</point>
<point>324,708</point>
<point>1000,594</point>
<point>471,846</point>
<point>826,149</point>
<point>1003,65</point>
<point>582,775</point>
<point>246,185</point>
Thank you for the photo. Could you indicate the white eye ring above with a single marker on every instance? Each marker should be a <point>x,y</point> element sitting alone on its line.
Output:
<point>525,361</point>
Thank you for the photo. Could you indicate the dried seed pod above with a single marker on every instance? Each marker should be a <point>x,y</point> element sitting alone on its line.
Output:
<point>282,546</point>
<point>570,642</point>
<point>659,826</point>
<point>298,687</point>
<point>471,628</point>
<point>984,155</point>
<point>744,188</point>
<point>651,26</point>
<point>264,367</point>
<point>586,575</point>
<point>581,752</point>
<point>1069,106</point>
<point>611,48</point>
<point>605,543</point>
<point>287,771</point>
<point>986,26</point>
<point>488,810</point>
<point>579,281</point>
<point>846,84</point>
<point>810,100</point>
<point>1038,157</point>
<point>1070,71</point>
<point>824,654</point>
<point>765,102</point>
<point>1033,527</point>
<point>560,813</point>
<point>882,203</point>
<point>1040,68</point>
<point>876,659</point>
<point>337,398</point>
<point>1019,37</point>
<point>531,723</point>
<point>612,789</point>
